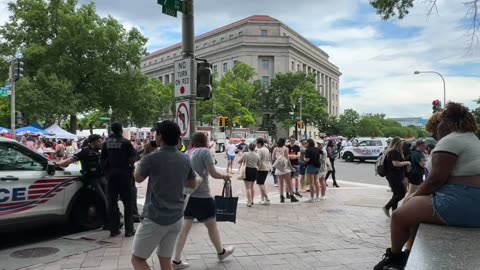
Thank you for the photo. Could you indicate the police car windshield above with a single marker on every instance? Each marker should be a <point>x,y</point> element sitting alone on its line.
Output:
<point>12,159</point>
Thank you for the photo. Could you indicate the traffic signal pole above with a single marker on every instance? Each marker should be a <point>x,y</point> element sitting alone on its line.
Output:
<point>12,105</point>
<point>188,47</point>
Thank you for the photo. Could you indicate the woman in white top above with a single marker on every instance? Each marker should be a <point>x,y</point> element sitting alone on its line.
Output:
<point>283,169</point>
<point>252,162</point>
<point>451,193</point>
<point>323,168</point>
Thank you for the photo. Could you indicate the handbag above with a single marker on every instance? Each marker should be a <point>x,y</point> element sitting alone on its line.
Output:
<point>329,164</point>
<point>226,205</point>
<point>243,170</point>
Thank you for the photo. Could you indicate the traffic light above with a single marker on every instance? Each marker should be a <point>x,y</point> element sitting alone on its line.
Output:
<point>221,121</point>
<point>299,124</point>
<point>227,121</point>
<point>17,70</point>
<point>204,81</point>
<point>436,106</point>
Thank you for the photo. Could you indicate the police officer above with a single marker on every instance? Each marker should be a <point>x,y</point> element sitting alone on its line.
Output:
<point>92,173</point>
<point>118,157</point>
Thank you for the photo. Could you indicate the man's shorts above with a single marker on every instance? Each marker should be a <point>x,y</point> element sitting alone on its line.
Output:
<point>303,166</point>
<point>201,209</point>
<point>230,157</point>
<point>261,177</point>
<point>296,170</point>
<point>151,235</point>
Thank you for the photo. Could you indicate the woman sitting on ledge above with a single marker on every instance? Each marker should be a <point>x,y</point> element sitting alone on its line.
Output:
<point>451,193</point>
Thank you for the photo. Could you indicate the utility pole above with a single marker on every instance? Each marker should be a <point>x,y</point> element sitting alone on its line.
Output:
<point>188,43</point>
<point>12,106</point>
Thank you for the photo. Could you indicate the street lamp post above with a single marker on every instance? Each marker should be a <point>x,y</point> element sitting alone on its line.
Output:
<point>443,79</point>
<point>110,112</point>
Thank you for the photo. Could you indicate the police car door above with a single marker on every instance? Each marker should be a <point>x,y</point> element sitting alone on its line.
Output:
<point>23,192</point>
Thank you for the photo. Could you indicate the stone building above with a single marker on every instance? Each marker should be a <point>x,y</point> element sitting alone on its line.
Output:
<point>262,42</point>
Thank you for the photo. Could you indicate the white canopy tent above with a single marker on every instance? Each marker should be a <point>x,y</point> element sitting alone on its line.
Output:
<point>59,133</point>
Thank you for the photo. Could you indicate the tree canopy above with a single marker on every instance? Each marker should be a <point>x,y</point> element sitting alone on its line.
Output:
<point>76,62</point>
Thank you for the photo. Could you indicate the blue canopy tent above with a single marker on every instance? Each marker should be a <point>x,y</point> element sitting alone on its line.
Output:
<point>4,130</point>
<point>31,130</point>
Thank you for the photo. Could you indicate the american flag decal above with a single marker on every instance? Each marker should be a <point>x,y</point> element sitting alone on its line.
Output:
<point>40,192</point>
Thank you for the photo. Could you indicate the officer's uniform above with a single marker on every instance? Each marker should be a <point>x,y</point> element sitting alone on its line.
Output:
<point>117,154</point>
<point>92,174</point>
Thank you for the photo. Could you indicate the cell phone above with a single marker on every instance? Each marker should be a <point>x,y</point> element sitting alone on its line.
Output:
<point>153,143</point>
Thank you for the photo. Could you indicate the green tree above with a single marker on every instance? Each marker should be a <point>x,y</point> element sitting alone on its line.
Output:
<point>370,127</point>
<point>348,123</point>
<point>283,97</point>
<point>233,97</point>
<point>90,60</point>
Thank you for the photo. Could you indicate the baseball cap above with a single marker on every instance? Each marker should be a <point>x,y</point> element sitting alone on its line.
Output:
<point>320,142</point>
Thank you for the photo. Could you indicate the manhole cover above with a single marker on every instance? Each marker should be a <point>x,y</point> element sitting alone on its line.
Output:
<point>34,252</point>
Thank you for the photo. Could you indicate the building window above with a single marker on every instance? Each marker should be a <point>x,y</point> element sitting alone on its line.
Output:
<point>265,81</point>
<point>160,79</point>
<point>215,68</point>
<point>264,33</point>
<point>205,45</point>
<point>161,59</point>
<point>293,66</point>
<point>168,56</point>
<point>144,64</point>
<point>225,67</point>
<point>231,36</point>
<point>265,64</point>
<point>240,33</point>
<point>222,39</point>
<point>167,79</point>
<point>174,55</point>
<point>284,34</point>
<point>155,60</point>
<point>213,42</point>
<point>235,62</point>
<point>298,67</point>
<point>149,63</point>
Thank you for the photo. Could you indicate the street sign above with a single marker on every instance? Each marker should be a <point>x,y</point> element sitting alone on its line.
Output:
<point>3,93</point>
<point>182,118</point>
<point>170,7</point>
<point>183,72</point>
<point>169,11</point>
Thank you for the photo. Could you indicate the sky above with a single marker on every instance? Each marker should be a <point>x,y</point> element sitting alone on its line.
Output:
<point>377,58</point>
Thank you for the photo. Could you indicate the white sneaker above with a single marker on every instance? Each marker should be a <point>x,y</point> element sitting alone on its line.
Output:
<point>323,198</point>
<point>317,199</point>
<point>310,200</point>
<point>181,265</point>
<point>228,251</point>
<point>276,185</point>
<point>267,202</point>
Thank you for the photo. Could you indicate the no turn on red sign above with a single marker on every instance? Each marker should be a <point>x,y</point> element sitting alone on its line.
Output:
<point>183,75</point>
<point>182,118</point>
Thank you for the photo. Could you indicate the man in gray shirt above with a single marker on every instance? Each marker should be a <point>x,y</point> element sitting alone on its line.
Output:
<point>169,172</point>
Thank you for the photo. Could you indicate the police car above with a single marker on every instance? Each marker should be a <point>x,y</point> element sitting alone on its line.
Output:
<point>366,149</point>
<point>34,191</point>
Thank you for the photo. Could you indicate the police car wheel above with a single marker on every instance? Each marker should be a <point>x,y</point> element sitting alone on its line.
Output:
<point>86,213</point>
<point>348,157</point>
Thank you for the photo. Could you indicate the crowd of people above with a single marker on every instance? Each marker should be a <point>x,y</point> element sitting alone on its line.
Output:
<point>296,167</point>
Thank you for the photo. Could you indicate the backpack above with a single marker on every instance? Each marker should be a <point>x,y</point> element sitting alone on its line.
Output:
<point>380,166</point>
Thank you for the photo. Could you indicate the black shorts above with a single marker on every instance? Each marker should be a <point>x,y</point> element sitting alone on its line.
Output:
<point>415,178</point>
<point>250,174</point>
<point>261,177</point>
<point>202,209</point>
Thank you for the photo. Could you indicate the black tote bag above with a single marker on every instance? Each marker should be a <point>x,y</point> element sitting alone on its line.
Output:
<point>226,204</point>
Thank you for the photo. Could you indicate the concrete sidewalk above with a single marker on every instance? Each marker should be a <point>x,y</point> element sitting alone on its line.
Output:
<point>346,231</point>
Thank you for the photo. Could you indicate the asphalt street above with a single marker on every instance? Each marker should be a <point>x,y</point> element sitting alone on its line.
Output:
<point>359,172</point>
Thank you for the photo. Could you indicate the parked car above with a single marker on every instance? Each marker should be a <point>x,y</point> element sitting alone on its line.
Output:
<point>366,149</point>
<point>33,191</point>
